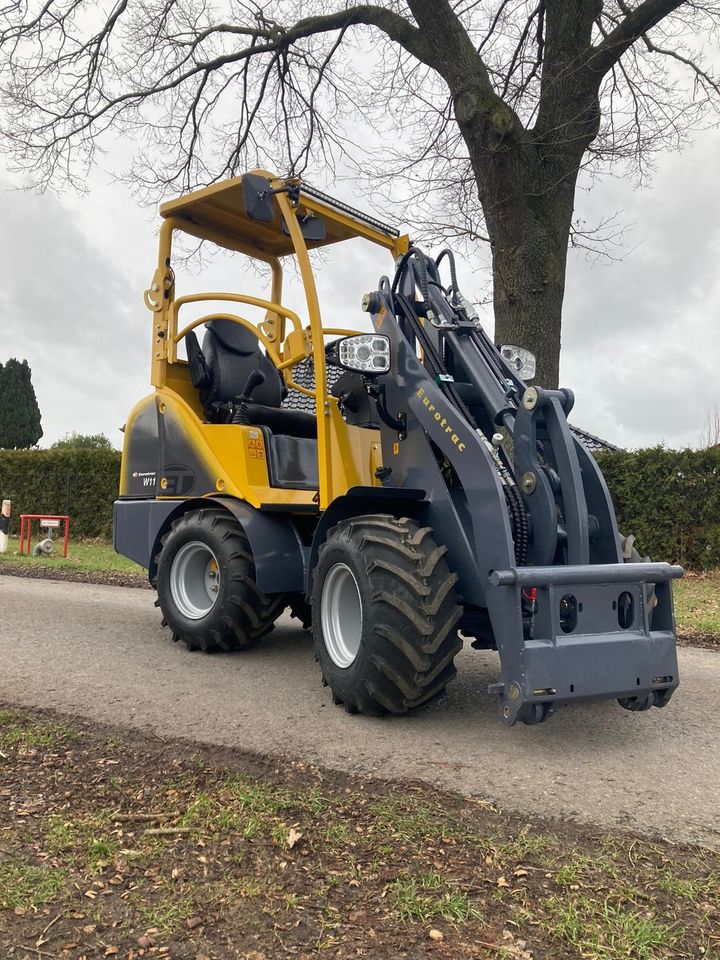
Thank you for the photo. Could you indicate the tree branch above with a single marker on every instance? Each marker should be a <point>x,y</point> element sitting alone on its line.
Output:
<point>628,31</point>
<point>394,26</point>
<point>458,62</point>
<point>702,75</point>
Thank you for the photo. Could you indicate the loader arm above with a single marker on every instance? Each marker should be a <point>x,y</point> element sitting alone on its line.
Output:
<point>532,534</point>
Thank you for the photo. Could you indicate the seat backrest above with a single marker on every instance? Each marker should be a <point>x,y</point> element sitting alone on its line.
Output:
<point>231,353</point>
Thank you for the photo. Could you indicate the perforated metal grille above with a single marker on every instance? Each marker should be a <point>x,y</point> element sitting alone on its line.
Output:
<point>303,374</point>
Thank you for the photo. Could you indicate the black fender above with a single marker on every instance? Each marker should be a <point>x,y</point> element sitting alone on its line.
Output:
<point>278,553</point>
<point>358,501</point>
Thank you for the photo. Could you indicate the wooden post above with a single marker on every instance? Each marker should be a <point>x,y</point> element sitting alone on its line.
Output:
<point>4,525</point>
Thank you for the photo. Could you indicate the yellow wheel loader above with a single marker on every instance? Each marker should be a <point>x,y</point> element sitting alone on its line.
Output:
<point>399,486</point>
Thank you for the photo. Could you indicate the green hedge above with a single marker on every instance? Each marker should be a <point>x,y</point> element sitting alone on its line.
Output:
<point>670,500</point>
<point>83,483</point>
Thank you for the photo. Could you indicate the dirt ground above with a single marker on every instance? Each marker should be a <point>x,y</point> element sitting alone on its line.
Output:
<point>112,578</point>
<point>116,844</point>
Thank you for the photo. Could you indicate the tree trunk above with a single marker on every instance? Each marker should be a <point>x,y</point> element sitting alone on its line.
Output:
<point>529,250</point>
<point>527,191</point>
<point>526,180</point>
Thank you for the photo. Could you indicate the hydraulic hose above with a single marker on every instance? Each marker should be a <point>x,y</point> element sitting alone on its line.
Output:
<point>422,272</point>
<point>447,252</point>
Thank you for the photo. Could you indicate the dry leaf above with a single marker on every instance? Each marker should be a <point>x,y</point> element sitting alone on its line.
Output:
<point>502,882</point>
<point>514,947</point>
<point>293,838</point>
<point>436,935</point>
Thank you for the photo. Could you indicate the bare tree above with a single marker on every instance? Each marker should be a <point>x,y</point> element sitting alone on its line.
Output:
<point>710,436</point>
<point>485,111</point>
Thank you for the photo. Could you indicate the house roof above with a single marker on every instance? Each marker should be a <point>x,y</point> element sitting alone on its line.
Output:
<point>593,443</point>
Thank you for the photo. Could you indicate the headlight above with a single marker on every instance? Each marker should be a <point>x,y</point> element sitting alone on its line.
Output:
<point>520,360</point>
<point>366,353</point>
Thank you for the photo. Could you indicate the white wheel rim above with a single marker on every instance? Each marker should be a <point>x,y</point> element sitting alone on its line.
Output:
<point>341,615</point>
<point>194,580</point>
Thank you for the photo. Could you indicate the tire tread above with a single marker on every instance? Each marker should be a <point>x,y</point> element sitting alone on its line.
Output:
<point>411,636</point>
<point>254,611</point>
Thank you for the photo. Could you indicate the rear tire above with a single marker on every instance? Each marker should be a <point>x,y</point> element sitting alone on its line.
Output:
<point>384,615</point>
<point>631,554</point>
<point>300,609</point>
<point>206,584</point>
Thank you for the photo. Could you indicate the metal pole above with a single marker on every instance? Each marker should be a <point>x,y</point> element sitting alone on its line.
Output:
<point>4,525</point>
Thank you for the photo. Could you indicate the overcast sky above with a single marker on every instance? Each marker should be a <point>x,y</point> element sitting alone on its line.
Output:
<point>641,344</point>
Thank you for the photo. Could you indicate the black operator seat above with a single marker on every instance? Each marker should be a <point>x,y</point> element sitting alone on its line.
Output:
<point>220,370</point>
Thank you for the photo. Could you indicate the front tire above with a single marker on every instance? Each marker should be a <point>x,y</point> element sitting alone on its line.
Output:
<point>206,584</point>
<point>384,615</point>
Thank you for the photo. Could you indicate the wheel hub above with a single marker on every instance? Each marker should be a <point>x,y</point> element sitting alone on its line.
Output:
<point>195,580</point>
<point>341,615</point>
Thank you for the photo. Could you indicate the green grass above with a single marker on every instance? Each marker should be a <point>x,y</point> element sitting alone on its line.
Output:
<point>82,843</point>
<point>605,929</point>
<point>697,603</point>
<point>526,843</point>
<point>255,797</point>
<point>338,834</point>
<point>244,808</point>
<point>407,819</point>
<point>429,897</point>
<point>703,887</point>
<point>83,555</point>
<point>28,887</point>
<point>17,731</point>
<point>170,911</point>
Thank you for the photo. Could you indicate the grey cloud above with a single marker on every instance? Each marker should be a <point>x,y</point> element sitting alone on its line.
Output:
<point>640,342</point>
<point>67,309</point>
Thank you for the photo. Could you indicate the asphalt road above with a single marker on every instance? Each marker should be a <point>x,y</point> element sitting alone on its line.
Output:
<point>100,652</point>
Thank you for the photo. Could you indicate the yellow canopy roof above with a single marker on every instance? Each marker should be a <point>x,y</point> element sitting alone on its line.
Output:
<point>218,213</point>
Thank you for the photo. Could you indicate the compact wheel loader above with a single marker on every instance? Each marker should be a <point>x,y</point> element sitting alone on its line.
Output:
<point>401,490</point>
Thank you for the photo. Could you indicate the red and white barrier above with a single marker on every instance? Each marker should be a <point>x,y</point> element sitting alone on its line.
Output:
<point>4,525</point>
